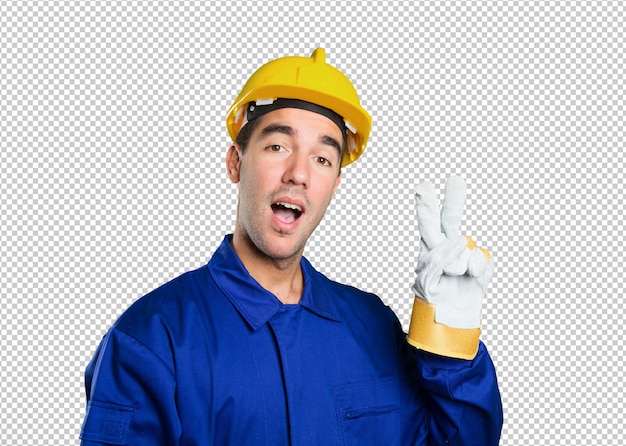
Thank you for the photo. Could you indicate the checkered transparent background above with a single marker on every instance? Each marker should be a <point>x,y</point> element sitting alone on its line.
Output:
<point>112,179</point>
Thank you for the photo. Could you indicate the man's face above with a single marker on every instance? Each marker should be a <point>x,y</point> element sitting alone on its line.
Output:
<point>287,177</point>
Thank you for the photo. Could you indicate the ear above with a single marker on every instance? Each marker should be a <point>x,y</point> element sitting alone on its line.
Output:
<point>233,162</point>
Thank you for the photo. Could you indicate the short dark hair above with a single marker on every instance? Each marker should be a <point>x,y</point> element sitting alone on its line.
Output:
<point>244,135</point>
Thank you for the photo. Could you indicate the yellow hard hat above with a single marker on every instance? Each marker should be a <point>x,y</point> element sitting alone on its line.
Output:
<point>308,79</point>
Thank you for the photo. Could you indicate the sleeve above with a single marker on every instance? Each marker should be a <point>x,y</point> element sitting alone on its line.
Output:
<point>130,396</point>
<point>464,405</point>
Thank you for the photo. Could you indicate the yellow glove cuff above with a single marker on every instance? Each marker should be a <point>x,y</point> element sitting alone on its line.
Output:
<point>426,334</point>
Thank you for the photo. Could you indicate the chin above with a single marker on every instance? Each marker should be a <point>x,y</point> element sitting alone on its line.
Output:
<point>283,252</point>
<point>284,247</point>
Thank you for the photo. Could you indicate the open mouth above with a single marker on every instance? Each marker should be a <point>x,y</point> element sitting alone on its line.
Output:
<point>287,212</point>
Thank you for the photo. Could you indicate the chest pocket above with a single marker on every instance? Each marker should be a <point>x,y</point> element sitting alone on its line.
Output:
<point>369,413</point>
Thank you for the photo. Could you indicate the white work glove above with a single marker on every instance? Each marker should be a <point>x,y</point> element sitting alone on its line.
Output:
<point>451,272</point>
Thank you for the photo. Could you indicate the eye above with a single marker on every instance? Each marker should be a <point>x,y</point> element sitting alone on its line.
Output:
<point>275,148</point>
<point>323,161</point>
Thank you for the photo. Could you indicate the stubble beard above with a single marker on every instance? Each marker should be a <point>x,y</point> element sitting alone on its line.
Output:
<point>258,235</point>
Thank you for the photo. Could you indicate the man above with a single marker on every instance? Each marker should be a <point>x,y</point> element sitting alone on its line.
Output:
<point>258,348</point>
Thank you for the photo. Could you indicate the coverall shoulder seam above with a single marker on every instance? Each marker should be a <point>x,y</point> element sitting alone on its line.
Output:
<point>146,347</point>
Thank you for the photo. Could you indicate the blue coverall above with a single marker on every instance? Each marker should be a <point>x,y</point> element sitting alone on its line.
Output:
<point>212,358</point>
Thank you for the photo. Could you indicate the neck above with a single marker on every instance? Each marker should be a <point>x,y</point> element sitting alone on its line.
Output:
<point>281,277</point>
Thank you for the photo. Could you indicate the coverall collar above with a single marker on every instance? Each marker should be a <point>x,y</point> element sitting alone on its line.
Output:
<point>257,305</point>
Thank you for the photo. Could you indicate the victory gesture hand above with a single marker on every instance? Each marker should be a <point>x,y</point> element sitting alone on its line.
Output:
<point>452,274</point>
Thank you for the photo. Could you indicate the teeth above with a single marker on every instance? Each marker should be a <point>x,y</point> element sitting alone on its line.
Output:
<point>290,206</point>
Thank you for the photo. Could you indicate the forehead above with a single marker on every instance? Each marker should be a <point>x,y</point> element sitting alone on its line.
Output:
<point>301,122</point>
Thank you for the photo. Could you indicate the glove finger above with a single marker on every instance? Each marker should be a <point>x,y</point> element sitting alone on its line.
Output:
<point>428,217</point>
<point>423,248</point>
<point>458,266</point>
<point>451,255</point>
<point>486,276</point>
<point>477,263</point>
<point>431,264</point>
<point>481,266</point>
<point>453,206</point>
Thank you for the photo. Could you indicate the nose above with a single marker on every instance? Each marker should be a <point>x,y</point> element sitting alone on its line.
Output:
<point>297,170</point>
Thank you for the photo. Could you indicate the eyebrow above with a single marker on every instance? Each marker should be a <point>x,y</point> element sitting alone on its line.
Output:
<point>330,141</point>
<point>287,130</point>
<point>277,128</point>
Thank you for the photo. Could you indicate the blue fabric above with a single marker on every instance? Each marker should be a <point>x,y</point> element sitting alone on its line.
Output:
<point>212,358</point>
